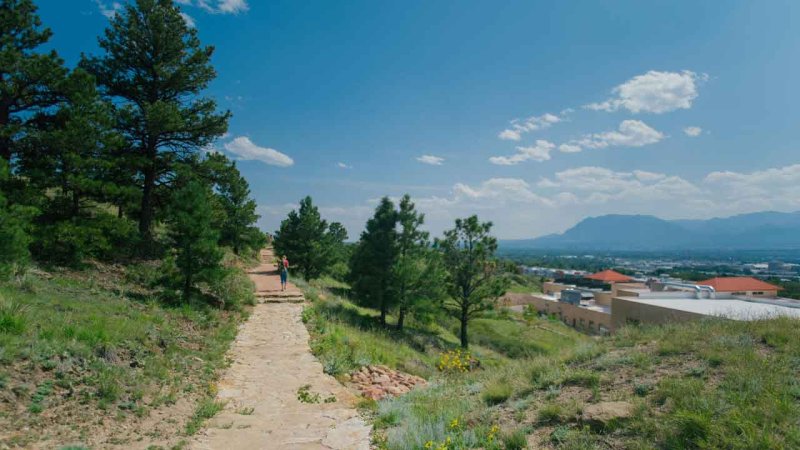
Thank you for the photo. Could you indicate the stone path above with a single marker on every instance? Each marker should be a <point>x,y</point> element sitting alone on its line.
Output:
<point>271,362</point>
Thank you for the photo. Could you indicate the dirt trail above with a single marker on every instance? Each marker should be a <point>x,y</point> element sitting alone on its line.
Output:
<point>271,361</point>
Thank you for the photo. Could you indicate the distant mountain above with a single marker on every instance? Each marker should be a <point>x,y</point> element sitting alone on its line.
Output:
<point>763,230</point>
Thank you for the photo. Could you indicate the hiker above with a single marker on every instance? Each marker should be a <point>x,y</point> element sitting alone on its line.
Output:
<point>283,266</point>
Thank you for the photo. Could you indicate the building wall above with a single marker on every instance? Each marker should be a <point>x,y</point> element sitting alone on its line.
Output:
<point>575,316</point>
<point>626,311</point>
<point>551,288</point>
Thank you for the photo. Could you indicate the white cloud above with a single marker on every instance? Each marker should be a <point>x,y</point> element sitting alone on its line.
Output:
<point>246,150</point>
<point>430,159</point>
<point>538,152</point>
<point>631,133</point>
<point>569,148</point>
<point>774,188</point>
<point>342,165</point>
<point>189,20</point>
<point>693,131</point>
<point>521,126</point>
<point>223,6</point>
<point>498,189</point>
<point>557,202</point>
<point>654,92</point>
<point>109,10</point>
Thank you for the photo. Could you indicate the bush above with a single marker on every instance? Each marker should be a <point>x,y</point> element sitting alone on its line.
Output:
<point>234,289</point>
<point>72,242</point>
<point>497,392</point>
<point>516,440</point>
<point>12,317</point>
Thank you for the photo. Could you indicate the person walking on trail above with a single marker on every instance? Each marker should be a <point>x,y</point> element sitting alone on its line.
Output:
<point>284,269</point>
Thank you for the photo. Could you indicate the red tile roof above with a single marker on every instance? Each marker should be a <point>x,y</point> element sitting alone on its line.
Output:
<point>739,284</point>
<point>609,276</point>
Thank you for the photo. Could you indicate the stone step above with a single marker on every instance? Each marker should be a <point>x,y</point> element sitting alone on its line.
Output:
<point>281,299</point>
<point>278,294</point>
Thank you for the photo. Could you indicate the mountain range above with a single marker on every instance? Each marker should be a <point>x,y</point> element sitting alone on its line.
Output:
<point>762,230</point>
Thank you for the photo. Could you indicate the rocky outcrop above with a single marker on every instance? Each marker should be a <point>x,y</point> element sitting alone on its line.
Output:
<point>378,382</point>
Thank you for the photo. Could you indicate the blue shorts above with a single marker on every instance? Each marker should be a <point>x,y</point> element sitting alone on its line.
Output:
<point>284,276</point>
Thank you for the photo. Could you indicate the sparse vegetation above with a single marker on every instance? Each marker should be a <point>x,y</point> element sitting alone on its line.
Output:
<point>707,384</point>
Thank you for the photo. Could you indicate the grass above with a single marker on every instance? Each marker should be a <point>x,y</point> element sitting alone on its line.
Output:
<point>86,347</point>
<point>705,384</point>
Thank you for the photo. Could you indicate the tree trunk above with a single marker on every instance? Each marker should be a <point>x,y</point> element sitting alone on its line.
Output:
<point>187,287</point>
<point>464,322</point>
<point>146,214</point>
<point>5,143</point>
<point>383,312</point>
<point>401,318</point>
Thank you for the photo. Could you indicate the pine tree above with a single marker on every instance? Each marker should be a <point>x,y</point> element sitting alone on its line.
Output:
<point>418,273</point>
<point>238,209</point>
<point>154,69</point>
<point>304,237</point>
<point>195,240</point>
<point>373,260</point>
<point>475,277</point>
<point>28,80</point>
<point>14,237</point>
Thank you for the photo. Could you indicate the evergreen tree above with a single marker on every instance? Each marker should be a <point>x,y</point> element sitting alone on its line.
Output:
<point>28,80</point>
<point>14,237</point>
<point>189,215</point>
<point>418,274</point>
<point>373,261</point>
<point>475,277</point>
<point>238,210</point>
<point>154,69</point>
<point>305,238</point>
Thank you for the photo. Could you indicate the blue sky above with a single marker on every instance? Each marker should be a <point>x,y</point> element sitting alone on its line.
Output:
<point>531,114</point>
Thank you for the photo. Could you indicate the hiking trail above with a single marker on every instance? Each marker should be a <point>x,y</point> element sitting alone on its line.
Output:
<point>272,360</point>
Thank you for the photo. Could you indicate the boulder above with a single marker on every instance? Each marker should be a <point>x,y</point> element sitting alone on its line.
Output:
<point>604,414</point>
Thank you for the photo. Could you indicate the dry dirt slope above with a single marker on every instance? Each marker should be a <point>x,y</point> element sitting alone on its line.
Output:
<point>271,362</point>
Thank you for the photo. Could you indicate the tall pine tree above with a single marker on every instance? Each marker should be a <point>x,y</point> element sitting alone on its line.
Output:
<point>238,209</point>
<point>418,274</point>
<point>155,69</point>
<point>475,278</point>
<point>306,239</point>
<point>195,240</point>
<point>29,80</point>
<point>373,260</point>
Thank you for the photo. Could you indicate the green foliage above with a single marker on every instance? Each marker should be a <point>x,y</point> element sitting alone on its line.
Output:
<point>14,237</point>
<point>238,209</point>
<point>12,317</point>
<point>198,256</point>
<point>154,69</point>
<point>373,259</point>
<point>474,277</point>
<point>496,392</point>
<point>308,241</point>
<point>70,242</point>
<point>207,409</point>
<point>30,80</point>
<point>418,272</point>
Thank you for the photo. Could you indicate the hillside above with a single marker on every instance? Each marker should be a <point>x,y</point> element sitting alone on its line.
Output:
<point>96,358</point>
<point>765,230</point>
<point>540,384</point>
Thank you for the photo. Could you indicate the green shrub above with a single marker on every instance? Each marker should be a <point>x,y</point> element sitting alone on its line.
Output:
<point>234,289</point>
<point>207,409</point>
<point>582,377</point>
<point>515,440</point>
<point>12,317</point>
<point>496,392</point>
<point>71,242</point>
<point>550,413</point>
